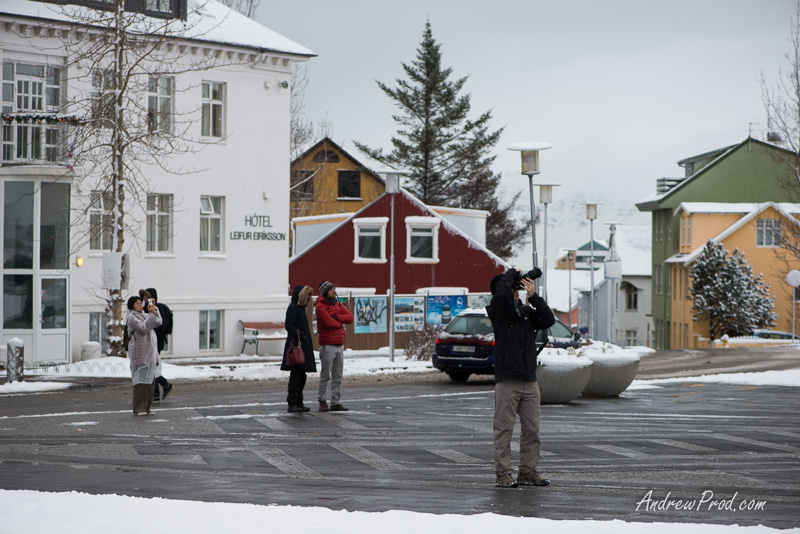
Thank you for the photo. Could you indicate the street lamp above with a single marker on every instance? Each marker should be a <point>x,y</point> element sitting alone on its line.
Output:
<point>613,273</point>
<point>392,187</point>
<point>530,166</point>
<point>545,197</point>
<point>570,258</point>
<point>591,214</point>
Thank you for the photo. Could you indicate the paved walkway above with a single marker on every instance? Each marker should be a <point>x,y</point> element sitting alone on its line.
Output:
<point>424,447</point>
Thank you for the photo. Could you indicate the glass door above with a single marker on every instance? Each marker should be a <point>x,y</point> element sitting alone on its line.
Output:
<point>36,296</point>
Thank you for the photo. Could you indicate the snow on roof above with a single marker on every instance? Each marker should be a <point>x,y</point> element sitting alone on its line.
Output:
<point>321,218</point>
<point>207,20</point>
<point>558,285</point>
<point>442,291</point>
<point>634,246</point>
<point>466,212</point>
<point>730,207</point>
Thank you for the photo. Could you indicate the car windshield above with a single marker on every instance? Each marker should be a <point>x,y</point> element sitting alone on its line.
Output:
<point>470,325</point>
<point>560,330</point>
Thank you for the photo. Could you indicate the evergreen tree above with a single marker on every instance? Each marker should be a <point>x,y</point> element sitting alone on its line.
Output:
<point>725,293</point>
<point>448,154</point>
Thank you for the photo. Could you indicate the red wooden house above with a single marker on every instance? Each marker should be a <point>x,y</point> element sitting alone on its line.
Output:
<point>433,247</point>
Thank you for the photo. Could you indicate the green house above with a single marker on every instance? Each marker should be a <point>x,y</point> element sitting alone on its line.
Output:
<point>751,171</point>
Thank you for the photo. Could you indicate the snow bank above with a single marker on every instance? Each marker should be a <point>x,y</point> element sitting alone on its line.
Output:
<point>16,388</point>
<point>788,377</point>
<point>66,513</point>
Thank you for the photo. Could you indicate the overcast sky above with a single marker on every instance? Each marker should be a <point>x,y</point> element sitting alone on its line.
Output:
<point>623,89</point>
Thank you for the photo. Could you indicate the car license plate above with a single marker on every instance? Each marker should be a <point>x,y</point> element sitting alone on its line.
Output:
<point>463,348</point>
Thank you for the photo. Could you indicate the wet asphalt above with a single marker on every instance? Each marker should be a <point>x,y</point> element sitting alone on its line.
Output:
<point>688,452</point>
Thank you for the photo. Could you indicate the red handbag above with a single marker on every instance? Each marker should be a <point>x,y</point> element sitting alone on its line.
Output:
<point>295,356</point>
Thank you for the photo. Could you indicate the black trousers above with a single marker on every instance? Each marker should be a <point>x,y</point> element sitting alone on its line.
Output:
<point>160,381</point>
<point>297,381</point>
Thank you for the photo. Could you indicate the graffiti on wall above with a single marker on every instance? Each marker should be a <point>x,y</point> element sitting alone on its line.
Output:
<point>370,315</point>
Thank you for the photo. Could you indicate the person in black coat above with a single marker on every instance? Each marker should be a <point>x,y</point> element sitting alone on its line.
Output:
<point>296,325</point>
<point>516,390</point>
<point>161,340</point>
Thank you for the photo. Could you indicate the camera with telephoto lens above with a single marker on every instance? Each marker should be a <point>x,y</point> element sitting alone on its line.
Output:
<point>533,274</point>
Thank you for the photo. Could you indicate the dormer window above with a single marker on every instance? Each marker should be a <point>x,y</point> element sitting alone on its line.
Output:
<point>326,156</point>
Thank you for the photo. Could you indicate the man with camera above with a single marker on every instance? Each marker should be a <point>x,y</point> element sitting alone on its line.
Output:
<point>516,391</point>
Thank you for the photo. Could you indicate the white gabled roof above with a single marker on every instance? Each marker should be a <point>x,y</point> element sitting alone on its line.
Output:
<point>444,223</point>
<point>730,207</point>
<point>207,20</point>
<point>686,259</point>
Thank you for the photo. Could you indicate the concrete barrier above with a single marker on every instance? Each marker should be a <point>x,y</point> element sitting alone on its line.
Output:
<point>562,378</point>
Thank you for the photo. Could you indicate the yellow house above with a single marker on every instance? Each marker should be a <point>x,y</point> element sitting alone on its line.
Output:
<point>756,230</point>
<point>327,180</point>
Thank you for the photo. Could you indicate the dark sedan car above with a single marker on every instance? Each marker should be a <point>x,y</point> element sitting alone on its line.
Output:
<point>466,346</point>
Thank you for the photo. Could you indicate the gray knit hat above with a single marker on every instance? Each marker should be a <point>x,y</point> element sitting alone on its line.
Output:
<point>324,287</point>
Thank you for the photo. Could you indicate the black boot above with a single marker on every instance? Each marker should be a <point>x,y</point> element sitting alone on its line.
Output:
<point>294,408</point>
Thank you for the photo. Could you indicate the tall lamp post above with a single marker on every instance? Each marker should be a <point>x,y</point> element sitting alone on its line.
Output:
<point>392,187</point>
<point>570,258</point>
<point>545,197</point>
<point>530,166</point>
<point>591,214</point>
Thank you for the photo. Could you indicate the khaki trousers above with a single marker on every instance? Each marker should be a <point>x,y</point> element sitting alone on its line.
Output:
<point>143,397</point>
<point>512,398</point>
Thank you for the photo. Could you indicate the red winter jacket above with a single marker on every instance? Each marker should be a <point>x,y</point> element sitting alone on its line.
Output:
<point>330,328</point>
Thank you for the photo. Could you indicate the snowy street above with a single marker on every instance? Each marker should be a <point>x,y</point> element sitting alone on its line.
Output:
<point>420,445</point>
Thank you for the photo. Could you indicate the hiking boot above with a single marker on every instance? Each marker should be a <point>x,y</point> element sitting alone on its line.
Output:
<point>339,408</point>
<point>505,481</point>
<point>532,479</point>
<point>167,390</point>
<point>323,406</point>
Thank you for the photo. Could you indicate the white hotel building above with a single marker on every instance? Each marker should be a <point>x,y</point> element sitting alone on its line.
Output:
<point>213,241</point>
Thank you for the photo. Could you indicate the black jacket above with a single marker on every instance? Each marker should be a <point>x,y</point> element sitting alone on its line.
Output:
<point>166,326</point>
<point>515,333</point>
<point>296,323</point>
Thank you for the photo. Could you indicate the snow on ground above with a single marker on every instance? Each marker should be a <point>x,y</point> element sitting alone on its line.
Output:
<point>356,363</point>
<point>78,513</point>
<point>17,388</point>
<point>788,377</point>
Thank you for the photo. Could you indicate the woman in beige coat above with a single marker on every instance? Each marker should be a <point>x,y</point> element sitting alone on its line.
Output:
<point>143,352</point>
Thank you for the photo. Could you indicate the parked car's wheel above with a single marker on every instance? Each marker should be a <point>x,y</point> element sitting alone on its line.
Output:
<point>459,376</point>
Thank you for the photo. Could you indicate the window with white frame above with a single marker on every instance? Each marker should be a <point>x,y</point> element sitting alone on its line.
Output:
<point>30,90</point>
<point>370,239</point>
<point>768,232</point>
<point>210,329</point>
<point>631,338</point>
<point>97,329</point>
<point>100,220</point>
<point>103,90</point>
<point>159,222</point>
<point>213,106</point>
<point>688,230</point>
<point>211,210</point>
<point>160,91</point>
<point>422,240</point>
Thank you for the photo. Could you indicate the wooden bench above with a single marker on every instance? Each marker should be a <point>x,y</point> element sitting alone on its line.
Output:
<point>253,332</point>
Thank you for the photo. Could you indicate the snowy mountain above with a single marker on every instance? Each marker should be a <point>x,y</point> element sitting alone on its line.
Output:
<point>567,227</point>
